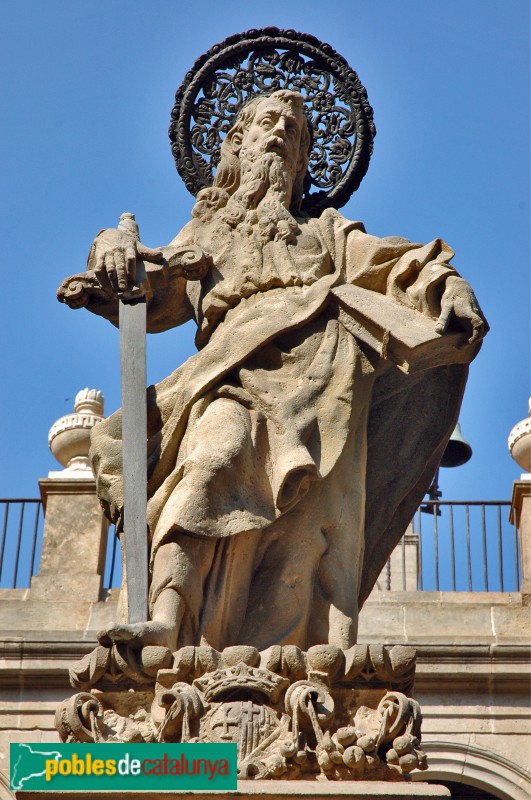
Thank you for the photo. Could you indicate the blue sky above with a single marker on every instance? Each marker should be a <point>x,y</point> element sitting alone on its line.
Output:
<point>87,90</point>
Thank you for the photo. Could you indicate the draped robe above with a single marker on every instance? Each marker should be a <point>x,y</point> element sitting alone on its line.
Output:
<point>286,458</point>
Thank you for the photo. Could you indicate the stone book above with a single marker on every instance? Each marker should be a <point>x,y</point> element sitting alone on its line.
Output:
<point>399,333</point>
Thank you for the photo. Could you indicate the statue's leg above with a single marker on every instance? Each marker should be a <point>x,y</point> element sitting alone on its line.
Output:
<point>280,598</point>
<point>342,504</point>
<point>220,486</point>
<point>307,566</point>
<point>196,568</point>
<point>161,630</point>
<point>180,568</point>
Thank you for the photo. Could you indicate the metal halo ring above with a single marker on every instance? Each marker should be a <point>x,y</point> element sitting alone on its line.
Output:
<point>265,60</point>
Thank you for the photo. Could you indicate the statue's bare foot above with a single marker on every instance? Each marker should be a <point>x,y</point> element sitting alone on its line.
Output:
<point>139,634</point>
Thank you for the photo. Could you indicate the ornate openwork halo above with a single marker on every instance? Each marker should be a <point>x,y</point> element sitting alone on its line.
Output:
<point>263,61</point>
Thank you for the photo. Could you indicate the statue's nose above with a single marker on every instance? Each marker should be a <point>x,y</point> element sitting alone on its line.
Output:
<point>280,126</point>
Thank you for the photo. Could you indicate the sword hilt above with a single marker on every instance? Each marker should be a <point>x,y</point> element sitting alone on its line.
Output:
<point>154,270</point>
<point>141,285</point>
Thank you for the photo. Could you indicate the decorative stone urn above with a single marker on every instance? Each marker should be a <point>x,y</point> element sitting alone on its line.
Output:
<point>520,442</point>
<point>69,437</point>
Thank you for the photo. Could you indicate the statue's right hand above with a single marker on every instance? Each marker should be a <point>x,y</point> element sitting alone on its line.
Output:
<point>113,256</point>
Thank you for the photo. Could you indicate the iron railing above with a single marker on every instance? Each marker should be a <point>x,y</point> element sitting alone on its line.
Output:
<point>112,574</point>
<point>457,546</point>
<point>466,546</point>
<point>20,542</point>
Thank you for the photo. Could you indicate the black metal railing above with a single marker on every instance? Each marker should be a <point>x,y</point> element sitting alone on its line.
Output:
<point>465,546</point>
<point>112,574</point>
<point>20,542</point>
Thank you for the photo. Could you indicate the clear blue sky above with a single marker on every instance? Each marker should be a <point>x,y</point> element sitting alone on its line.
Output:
<point>87,90</point>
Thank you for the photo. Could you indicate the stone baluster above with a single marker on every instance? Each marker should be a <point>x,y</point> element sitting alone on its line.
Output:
<point>520,449</point>
<point>75,529</point>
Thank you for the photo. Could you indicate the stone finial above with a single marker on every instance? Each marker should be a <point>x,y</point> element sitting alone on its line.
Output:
<point>89,400</point>
<point>69,437</point>
<point>520,442</point>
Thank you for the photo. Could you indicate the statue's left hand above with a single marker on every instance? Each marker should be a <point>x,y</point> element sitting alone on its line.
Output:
<point>459,302</point>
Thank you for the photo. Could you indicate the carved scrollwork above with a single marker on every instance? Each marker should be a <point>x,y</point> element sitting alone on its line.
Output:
<point>173,711</point>
<point>75,719</point>
<point>292,714</point>
<point>263,61</point>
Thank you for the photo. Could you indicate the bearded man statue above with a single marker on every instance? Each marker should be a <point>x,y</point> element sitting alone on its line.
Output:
<point>287,457</point>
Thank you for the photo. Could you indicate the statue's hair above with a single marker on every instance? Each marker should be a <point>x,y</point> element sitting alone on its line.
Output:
<point>228,172</point>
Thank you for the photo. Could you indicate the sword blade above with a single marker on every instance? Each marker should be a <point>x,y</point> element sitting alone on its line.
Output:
<point>134,438</point>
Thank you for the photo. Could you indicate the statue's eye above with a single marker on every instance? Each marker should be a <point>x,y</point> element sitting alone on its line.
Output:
<point>265,122</point>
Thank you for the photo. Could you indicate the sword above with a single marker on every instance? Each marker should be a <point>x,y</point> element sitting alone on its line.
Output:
<point>79,291</point>
<point>132,324</point>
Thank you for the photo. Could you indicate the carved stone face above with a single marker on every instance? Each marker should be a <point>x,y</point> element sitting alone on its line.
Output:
<point>275,128</point>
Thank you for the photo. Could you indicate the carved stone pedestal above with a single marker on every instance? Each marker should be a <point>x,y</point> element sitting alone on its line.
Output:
<point>320,716</point>
<point>253,790</point>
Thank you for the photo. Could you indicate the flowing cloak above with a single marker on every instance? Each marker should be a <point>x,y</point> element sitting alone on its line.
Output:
<point>344,371</point>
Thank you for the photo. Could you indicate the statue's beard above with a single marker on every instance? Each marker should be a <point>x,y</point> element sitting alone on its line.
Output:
<point>261,174</point>
<point>259,208</point>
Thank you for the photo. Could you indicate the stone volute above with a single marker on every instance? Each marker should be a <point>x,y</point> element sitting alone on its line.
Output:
<point>69,437</point>
<point>520,442</point>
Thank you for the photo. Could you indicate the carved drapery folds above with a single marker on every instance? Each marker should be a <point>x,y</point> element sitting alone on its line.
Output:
<point>343,715</point>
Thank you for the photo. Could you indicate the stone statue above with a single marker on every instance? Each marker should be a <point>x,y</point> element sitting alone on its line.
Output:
<point>285,458</point>
<point>258,468</point>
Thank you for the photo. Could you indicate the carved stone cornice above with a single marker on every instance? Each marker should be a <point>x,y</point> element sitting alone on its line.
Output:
<point>463,666</point>
<point>40,664</point>
<point>521,489</point>
<point>62,486</point>
<point>46,662</point>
